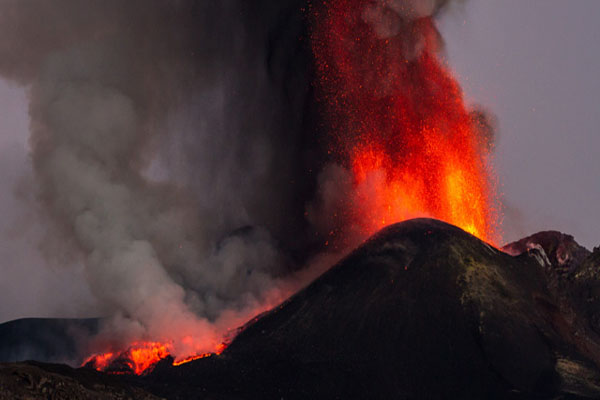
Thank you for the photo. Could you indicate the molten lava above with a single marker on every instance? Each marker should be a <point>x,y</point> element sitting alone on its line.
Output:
<point>139,358</point>
<point>398,119</point>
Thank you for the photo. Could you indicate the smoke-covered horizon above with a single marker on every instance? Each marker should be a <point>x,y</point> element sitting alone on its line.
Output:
<point>168,153</point>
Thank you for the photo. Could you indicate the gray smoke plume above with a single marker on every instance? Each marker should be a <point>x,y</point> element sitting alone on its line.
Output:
<point>164,152</point>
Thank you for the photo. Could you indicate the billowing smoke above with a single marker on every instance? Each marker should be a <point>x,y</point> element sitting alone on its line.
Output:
<point>169,149</point>
<point>178,152</point>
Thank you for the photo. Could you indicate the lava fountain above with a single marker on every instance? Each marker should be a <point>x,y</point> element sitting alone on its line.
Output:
<point>397,117</point>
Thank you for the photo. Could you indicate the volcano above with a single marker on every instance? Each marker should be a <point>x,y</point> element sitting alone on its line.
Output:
<point>421,310</point>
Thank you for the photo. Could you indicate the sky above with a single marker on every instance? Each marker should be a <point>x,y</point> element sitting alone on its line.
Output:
<point>532,63</point>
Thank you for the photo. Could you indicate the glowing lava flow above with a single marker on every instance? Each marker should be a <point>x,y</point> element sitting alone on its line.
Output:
<point>398,119</point>
<point>139,358</point>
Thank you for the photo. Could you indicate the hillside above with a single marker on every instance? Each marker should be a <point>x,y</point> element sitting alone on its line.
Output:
<point>421,310</point>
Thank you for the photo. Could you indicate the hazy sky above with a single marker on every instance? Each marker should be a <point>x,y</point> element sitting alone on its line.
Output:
<point>534,64</point>
<point>34,289</point>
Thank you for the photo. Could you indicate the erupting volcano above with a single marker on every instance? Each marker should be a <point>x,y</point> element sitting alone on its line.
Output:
<point>398,118</point>
<point>397,122</point>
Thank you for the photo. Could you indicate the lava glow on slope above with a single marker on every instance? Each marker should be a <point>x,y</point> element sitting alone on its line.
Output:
<point>136,359</point>
<point>139,358</point>
<point>398,119</point>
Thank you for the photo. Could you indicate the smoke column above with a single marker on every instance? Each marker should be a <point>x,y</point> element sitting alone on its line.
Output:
<point>164,166</point>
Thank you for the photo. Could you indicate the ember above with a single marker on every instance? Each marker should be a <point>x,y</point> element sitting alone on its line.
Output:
<point>399,121</point>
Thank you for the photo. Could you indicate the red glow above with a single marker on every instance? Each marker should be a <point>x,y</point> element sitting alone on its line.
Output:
<point>218,350</point>
<point>191,358</point>
<point>400,124</point>
<point>140,357</point>
<point>137,359</point>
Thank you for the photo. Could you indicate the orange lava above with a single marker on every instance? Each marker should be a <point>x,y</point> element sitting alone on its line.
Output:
<point>400,124</point>
<point>218,350</point>
<point>192,358</point>
<point>139,358</point>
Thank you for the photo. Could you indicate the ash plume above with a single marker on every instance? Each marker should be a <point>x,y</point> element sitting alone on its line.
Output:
<point>167,168</point>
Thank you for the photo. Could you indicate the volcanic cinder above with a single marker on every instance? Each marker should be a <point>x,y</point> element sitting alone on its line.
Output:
<point>421,310</point>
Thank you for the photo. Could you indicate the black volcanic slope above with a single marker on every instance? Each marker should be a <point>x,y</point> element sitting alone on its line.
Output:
<point>422,310</point>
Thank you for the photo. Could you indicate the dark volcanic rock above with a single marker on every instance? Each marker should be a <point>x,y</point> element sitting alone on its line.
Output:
<point>559,250</point>
<point>582,288</point>
<point>422,310</point>
<point>57,382</point>
<point>573,277</point>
